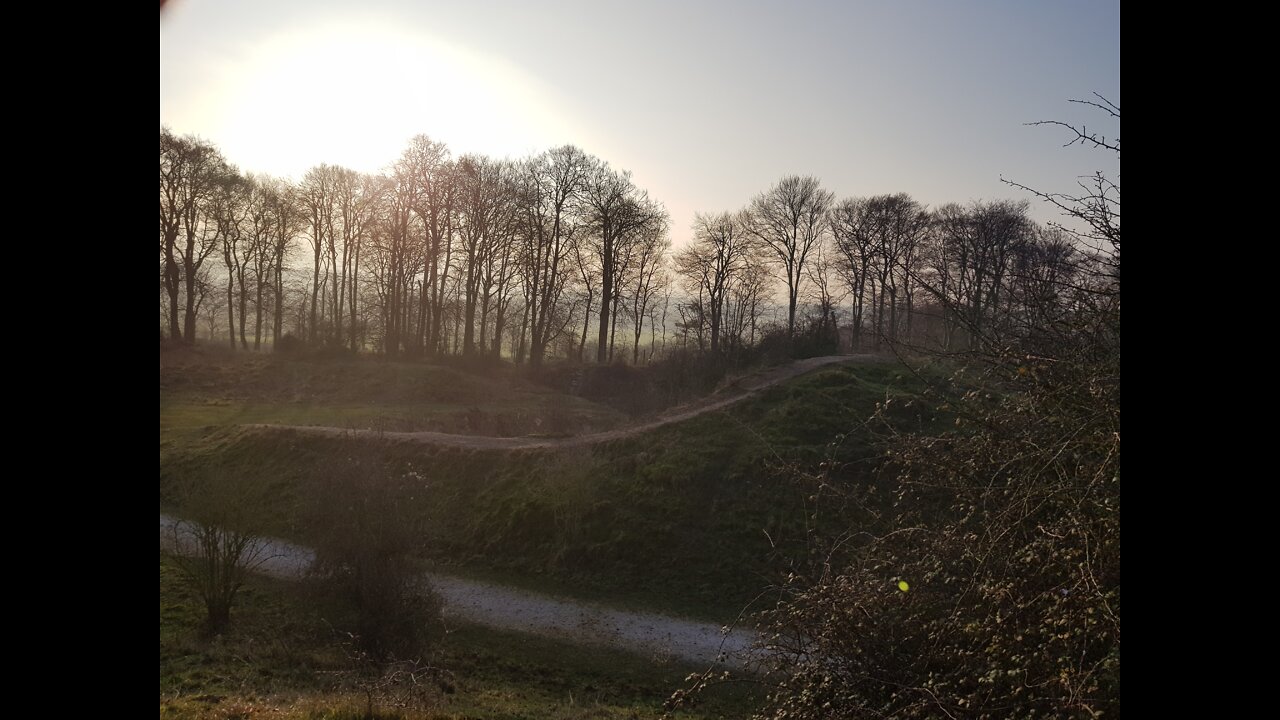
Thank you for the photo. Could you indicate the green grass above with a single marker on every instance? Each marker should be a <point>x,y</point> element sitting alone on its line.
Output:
<point>200,391</point>
<point>692,519</point>
<point>279,660</point>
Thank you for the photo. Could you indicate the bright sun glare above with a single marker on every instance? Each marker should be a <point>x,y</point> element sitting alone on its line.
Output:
<point>354,94</point>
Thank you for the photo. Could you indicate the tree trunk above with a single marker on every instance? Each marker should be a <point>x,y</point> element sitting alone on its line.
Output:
<point>189,316</point>
<point>277,324</point>
<point>791,311</point>
<point>355,274</point>
<point>231,310</point>
<point>613,325</point>
<point>257,320</point>
<point>219,617</point>
<point>172,286</point>
<point>524,329</point>
<point>606,296</point>
<point>586,324</point>
<point>315,293</point>
<point>469,309</point>
<point>244,310</point>
<point>635,349</point>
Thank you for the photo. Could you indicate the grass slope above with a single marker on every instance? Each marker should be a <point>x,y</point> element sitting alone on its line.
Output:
<point>694,518</point>
<point>202,388</point>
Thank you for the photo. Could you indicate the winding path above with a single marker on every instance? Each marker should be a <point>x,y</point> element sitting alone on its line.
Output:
<point>740,389</point>
<point>657,636</point>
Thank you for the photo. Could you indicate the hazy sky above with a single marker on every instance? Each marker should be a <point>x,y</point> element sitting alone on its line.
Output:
<point>707,103</point>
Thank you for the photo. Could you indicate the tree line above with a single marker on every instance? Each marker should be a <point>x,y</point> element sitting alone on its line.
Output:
<point>437,255</point>
<point>536,257</point>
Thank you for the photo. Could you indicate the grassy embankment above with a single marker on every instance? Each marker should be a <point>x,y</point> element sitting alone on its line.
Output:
<point>693,518</point>
<point>203,388</point>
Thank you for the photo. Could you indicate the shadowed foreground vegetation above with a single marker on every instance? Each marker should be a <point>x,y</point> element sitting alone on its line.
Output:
<point>283,658</point>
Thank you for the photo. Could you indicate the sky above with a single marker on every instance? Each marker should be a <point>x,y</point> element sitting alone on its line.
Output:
<point>706,103</point>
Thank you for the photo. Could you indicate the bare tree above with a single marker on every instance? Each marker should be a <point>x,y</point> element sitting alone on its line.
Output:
<point>403,244</point>
<point>259,225</point>
<point>789,219</point>
<point>211,304</point>
<point>585,262</point>
<point>395,254</point>
<point>969,263</point>
<point>285,222</point>
<point>746,298</point>
<point>551,192</point>
<point>897,222</point>
<point>1095,208</point>
<point>230,209</point>
<point>500,265</point>
<point>173,172</point>
<point>357,199</point>
<point>191,170</point>
<point>852,227</point>
<point>878,243</point>
<point>658,319</point>
<point>219,540</point>
<point>708,265</point>
<point>316,195</point>
<point>648,281</point>
<point>486,223</point>
<point>821,273</point>
<point>426,166</point>
<point>617,211</point>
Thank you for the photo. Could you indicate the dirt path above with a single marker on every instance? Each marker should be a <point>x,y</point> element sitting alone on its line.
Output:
<point>657,636</point>
<point>740,389</point>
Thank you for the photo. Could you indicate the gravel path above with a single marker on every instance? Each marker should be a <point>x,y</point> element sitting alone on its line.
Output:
<point>657,636</point>
<point>739,390</point>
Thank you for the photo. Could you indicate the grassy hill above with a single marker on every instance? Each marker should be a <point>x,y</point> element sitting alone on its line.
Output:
<point>204,387</point>
<point>693,518</point>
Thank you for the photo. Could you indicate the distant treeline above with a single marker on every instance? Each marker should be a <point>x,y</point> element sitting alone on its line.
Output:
<point>560,255</point>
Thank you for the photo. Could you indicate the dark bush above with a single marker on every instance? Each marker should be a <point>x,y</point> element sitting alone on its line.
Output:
<point>367,533</point>
<point>290,344</point>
